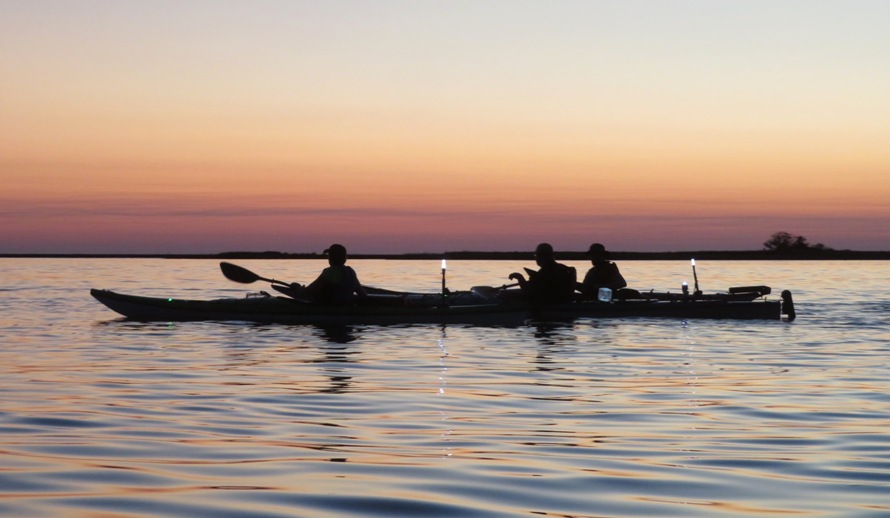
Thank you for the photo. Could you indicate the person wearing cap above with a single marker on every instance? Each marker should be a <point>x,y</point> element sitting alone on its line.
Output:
<point>337,284</point>
<point>553,283</point>
<point>603,274</point>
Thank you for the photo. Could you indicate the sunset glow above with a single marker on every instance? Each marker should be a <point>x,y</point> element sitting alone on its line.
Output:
<point>202,127</point>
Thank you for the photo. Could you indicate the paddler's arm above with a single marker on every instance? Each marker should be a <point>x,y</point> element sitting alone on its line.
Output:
<point>519,278</point>
<point>360,290</point>
<point>357,287</point>
<point>316,287</point>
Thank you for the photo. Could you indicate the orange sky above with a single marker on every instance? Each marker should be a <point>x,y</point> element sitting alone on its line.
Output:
<point>403,126</point>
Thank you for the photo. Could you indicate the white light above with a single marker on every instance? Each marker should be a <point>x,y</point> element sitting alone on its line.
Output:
<point>693,262</point>
<point>443,264</point>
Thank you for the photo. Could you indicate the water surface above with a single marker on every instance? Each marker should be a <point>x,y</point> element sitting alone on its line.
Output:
<point>614,418</point>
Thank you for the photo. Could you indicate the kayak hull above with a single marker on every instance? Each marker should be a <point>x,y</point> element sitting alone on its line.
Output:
<point>269,309</point>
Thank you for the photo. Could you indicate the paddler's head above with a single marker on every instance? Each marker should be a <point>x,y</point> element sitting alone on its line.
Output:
<point>597,252</point>
<point>336,255</point>
<point>544,254</point>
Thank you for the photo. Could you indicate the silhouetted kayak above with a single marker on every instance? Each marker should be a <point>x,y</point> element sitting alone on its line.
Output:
<point>473,307</point>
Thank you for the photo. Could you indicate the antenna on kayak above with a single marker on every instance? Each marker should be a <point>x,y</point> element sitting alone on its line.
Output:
<point>695,277</point>
<point>444,289</point>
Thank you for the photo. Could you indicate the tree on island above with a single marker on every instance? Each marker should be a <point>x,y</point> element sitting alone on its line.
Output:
<point>786,242</point>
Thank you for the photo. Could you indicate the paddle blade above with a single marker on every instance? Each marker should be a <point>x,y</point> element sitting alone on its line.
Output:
<point>236,273</point>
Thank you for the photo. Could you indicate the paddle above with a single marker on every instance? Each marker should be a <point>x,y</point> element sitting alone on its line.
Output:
<point>236,273</point>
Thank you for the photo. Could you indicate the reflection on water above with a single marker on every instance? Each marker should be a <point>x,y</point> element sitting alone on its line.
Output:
<point>105,417</point>
<point>337,352</point>
<point>338,334</point>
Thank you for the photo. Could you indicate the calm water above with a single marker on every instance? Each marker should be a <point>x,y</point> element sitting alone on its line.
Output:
<point>101,417</point>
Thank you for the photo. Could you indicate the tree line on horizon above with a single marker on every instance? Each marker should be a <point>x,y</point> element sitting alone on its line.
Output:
<point>788,243</point>
<point>780,245</point>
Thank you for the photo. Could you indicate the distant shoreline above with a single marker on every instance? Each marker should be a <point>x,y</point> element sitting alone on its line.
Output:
<point>755,255</point>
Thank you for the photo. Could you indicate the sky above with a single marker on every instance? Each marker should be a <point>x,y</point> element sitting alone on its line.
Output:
<point>192,126</point>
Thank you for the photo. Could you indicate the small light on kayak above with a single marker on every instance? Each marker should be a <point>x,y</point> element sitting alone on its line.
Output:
<point>693,262</point>
<point>443,264</point>
<point>170,300</point>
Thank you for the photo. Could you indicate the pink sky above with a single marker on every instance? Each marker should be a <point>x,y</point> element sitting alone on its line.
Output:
<point>415,127</point>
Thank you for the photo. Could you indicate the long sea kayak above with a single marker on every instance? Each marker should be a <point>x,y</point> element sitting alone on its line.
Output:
<point>463,308</point>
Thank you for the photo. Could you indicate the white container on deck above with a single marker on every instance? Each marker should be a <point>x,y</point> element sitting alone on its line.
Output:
<point>604,295</point>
